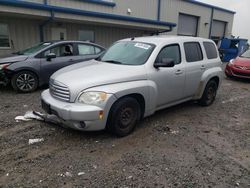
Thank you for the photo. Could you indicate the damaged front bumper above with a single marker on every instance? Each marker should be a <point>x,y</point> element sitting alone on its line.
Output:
<point>4,80</point>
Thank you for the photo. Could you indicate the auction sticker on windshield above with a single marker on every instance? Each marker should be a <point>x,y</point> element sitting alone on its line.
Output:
<point>141,45</point>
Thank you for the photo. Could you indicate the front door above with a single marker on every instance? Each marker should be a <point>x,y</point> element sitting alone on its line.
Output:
<point>170,80</point>
<point>64,56</point>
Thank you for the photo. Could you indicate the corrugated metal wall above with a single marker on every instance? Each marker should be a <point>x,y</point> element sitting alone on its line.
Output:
<point>103,35</point>
<point>174,7</point>
<point>140,8</point>
<point>170,10</point>
<point>23,33</point>
<point>226,17</point>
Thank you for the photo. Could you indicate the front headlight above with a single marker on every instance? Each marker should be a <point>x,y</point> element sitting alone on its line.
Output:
<point>92,97</point>
<point>231,62</point>
<point>3,66</point>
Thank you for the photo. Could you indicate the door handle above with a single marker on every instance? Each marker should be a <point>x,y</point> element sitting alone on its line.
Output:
<point>178,72</point>
<point>203,67</point>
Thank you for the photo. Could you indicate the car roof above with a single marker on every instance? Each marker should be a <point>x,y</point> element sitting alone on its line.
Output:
<point>72,41</point>
<point>158,39</point>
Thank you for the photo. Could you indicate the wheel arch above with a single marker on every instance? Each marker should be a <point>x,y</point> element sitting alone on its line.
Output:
<point>215,73</point>
<point>140,99</point>
<point>28,70</point>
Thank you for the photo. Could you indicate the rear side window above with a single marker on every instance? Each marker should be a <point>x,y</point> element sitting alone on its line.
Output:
<point>97,50</point>
<point>210,50</point>
<point>193,51</point>
<point>85,49</point>
<point>170,52</point>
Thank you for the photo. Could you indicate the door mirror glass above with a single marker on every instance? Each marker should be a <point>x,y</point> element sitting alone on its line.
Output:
<point>165,62</point>
<point>50,56</point>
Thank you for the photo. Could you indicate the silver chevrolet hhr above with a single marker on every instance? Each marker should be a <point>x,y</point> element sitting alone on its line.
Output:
<point>132,80</point>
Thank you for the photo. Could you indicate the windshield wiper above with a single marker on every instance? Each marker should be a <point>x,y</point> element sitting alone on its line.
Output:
<point>113,61</point>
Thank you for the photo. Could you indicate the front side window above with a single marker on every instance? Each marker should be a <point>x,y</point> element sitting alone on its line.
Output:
<point>85,49</point>
<point>128,53</point>
<point>61,50</point>
<point>4,36</point>
<point>210,50</point>
<point>170,52</point>
<point>193,51</point>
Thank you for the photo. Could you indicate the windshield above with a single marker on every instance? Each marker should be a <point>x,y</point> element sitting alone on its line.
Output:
<point>128,53</point>
<point>34,49</point>
<point>246,54</point>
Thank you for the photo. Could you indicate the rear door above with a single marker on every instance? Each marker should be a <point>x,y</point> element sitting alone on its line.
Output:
<point>195,66</point>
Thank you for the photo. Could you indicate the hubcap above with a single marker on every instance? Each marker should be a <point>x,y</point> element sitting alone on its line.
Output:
<point>25,82</point>
<point>126,116</point>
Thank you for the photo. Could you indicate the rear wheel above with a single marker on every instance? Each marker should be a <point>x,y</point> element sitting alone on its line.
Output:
<point>209,93</point>
<point>24,82</point>
<point>123,116</point>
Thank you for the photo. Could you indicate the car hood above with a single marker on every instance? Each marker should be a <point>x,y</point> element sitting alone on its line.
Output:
<point>13,59</point>
<point>241,61</point>
<point>93,73</point>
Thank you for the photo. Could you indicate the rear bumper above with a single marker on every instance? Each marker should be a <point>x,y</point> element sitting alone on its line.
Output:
<point>75,115</point>
<point>236,72</point>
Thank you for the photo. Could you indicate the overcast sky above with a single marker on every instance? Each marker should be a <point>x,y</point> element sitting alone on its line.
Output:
<point>241,25</point>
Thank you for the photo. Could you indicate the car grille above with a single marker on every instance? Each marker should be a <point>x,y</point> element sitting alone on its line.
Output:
<point>59,91</point>
<point>241,73</point>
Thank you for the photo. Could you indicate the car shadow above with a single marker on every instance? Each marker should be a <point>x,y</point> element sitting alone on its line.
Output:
<point>6,89</point>
<point>242,80</point>
<point>9,89</point>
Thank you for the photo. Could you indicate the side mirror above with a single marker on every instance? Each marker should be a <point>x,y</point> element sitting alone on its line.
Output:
<point>165,62</point>
<point>50,56</point>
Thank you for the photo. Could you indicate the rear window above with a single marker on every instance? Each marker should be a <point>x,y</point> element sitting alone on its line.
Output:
<point>210,50</point>
<point>193,51</point>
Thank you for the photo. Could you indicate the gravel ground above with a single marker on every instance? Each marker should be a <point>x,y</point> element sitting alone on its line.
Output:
<point>183,146</point>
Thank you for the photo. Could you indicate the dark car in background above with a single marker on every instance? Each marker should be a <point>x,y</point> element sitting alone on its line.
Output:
<point>239,67</point>
<point>28,69</point>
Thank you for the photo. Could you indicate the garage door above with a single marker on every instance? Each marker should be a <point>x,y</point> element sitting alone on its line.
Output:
<point>218,29</point>
<point>187,25</point>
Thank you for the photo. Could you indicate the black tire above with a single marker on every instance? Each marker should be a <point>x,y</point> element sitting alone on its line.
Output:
<point>24,82</point>
<point>209,93</point>
<point>228,76</point>
<point>123,116</point>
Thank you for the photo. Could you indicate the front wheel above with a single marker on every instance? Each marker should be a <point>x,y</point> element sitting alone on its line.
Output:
<point>24,82</point>
<point>209,93</point>
<point>123,116</point>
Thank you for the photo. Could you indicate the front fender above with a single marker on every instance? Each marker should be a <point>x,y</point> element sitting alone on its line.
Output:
<point>206,76</point>
<point>146,88</point>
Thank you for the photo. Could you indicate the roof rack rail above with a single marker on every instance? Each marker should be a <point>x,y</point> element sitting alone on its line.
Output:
<point>163,31</point>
